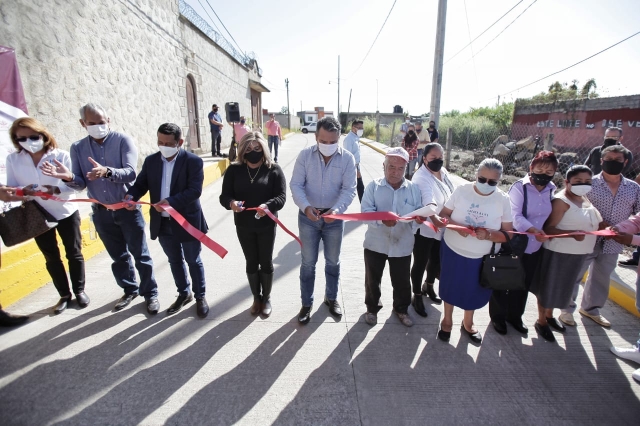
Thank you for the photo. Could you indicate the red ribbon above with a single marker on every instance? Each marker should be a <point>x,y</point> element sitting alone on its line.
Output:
<point>277,221</point>
<point>192,230</point>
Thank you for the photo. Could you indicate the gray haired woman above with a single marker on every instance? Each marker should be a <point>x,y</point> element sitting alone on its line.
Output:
<point>485,209</point>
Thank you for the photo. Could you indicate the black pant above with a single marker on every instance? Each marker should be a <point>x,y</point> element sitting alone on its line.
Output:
<point>360,188</point>
<point>426,256</point>
<point>374,264</point>
<point>510,305</point>
<point>69,230</point>
<point>216,140</point>
<point>257,246</point>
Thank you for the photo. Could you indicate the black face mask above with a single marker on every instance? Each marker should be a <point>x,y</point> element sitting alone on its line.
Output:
<point>411,133</point>
<point>540,178</point>
<point>432,126</point>
<point>435,165</point>
<point>254,156</point>
<point>242,121</point>
<point>612,167</point>
<point>610,142</point>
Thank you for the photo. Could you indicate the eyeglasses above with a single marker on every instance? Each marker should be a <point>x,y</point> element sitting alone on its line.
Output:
<point>32,137</point>
<point>491,182</point>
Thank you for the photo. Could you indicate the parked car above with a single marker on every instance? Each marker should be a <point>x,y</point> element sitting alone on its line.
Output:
<point>311,127</point>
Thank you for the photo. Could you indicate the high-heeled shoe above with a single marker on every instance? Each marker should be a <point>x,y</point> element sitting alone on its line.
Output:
<point>427,290</point>
<point>444,335</point>
<point>475,337</point>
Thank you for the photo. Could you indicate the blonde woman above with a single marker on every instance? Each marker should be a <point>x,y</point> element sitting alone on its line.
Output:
<point>254,180</point>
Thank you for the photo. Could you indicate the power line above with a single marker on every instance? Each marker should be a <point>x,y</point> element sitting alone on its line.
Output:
<point>374,41</point>
<point>484,31</point>
<point>571,66</point>
<point>210,18</point>
<point>225,28</point>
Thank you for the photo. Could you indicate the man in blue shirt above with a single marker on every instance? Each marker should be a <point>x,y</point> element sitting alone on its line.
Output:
<point>216,128</point>
<point>390,240</point>
<point>323,181</point>
<point>105,164</point>
<point>352,144</point>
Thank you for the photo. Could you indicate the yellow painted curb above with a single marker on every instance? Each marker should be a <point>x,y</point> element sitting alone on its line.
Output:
<point>23,266</point>
<point>623,297</point>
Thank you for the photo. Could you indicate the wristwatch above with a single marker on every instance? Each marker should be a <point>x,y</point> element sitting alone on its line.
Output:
<point>109,173</point>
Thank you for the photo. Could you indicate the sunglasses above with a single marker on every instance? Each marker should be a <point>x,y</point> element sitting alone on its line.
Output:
<point>32,137</point>
<point>491,182</point>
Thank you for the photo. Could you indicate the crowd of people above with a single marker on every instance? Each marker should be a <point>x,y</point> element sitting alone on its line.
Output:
<point>324,182</point>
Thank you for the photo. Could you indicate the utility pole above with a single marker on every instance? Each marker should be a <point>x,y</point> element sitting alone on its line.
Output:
<point>498,104</point>
<point>377,107</point>
<point>346,120</point>
<point>438,62</point>
<point>286,81</point>
<point>338,115</point>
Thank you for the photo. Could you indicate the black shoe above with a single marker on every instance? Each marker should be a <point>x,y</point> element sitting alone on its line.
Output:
<point>179,303</point>
<point>124,302</point>
<point>629,262</point>
<point>545,332</point>
<point>418,305</point>
<point>444,335</point>
<point>334,307</point>
<point>427,290</point>
<point>500,327</point>
<point>554,323</point>
<point>202,307</point>
<point>82,299</point>
<point>475,337</point>
<point>10,320</point>
<point>61,305</point>
<point>519,326</point>
<point>305,315</point>
<point>266,308</point>
<point>153,305</point>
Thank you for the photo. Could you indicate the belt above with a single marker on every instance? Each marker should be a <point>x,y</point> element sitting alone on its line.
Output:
<point>101,207</point>
<point>322,210</point>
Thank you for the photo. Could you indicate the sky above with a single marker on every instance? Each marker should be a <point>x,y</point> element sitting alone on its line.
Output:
<point>301,41</point>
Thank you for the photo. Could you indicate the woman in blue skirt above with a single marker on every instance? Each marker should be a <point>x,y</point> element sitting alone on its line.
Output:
<point>483,207</point>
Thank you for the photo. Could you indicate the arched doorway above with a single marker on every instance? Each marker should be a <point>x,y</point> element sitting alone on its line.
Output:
<point>192,138</point>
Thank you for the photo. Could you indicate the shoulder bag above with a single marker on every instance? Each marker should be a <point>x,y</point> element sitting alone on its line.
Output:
<point>22,223</point>
<point>502,271</point>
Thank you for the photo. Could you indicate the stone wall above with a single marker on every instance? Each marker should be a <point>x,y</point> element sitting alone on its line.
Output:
<point>132,57</point>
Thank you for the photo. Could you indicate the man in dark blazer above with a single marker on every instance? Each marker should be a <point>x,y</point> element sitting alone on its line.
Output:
<point>173,177</point>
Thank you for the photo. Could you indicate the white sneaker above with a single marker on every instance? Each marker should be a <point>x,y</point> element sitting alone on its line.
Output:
<point>636,374</point>
<point>597,318</point>
<point>632,354</point>
<point>370,318</point>
<point>567,318</point>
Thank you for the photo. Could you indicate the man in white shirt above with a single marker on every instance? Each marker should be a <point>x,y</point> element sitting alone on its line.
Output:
<point>352,144</point>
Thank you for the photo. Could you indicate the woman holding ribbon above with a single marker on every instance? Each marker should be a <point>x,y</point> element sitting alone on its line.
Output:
<point>36,146</point>
<point>436,187</point>
<point>255,181</point>
<point>561,257</point>
<point>480,210</point>
<point>530,207</point>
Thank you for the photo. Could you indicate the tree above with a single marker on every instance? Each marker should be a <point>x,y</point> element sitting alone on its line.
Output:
<point>284,110</point>
<point>590,84</point>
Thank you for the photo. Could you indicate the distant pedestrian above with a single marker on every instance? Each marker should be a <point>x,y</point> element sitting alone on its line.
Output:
<point>240,129</point>
<point>274,133</point>
<point>433,132</point>
<point>216,124</point>
<point>612,136</point>
<point>483,207</point>
<point>352,144</point>
<point>562,258</point>
<point>410,144</point>
<point>323,181</point>
<point>174,177</point>
<point>253,180</point>
<point>404,127</point>
<point>390,241</point>
<point>423,138</point>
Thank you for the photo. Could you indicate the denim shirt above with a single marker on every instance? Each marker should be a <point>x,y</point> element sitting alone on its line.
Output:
<point>379,196</point>
<point>328,186</point>
<point>350,143</point>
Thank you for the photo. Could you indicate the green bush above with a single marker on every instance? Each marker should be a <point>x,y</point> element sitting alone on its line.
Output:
<point>482,130</point>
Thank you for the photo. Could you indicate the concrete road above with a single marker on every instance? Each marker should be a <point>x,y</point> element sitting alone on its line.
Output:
<point>93,366</point>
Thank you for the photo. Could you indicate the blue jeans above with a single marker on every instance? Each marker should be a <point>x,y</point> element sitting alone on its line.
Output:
<point>273,145</point>
<point>177,252</point>
<point>310,234</point>
<point>122,232</point>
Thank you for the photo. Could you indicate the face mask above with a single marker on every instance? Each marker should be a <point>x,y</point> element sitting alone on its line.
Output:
<point>610,142</point>
<point>360,132</point>
<point>581,189</point>
<point>435,165</point>
<point>485,188</point>
<point>241,121</point>
<point>612,167</point>
<point>327,149</point>
<point>168,151</point>
<point>99,131</point>
<point>254,157</point>
<point>411,133</point>
<point>540,178</point>
<point>32,146</point>
<point>407,121</point>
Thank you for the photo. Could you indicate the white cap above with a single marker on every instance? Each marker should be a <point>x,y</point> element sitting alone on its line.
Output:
<point>398,152</point>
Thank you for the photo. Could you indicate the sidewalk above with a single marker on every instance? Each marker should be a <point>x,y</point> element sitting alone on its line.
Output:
<point>93,366</point>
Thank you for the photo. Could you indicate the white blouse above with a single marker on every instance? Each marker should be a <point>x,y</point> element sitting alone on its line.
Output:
<point>433,191</point>
<point>22,172</point>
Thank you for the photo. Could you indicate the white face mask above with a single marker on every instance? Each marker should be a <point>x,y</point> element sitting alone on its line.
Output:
<point>327,149</point>
<point>168,151</point>
<point>580,189</point>
<point>360,132</point>
<point>33,146</point>
<point>99,131</point>
<point>485,188</point>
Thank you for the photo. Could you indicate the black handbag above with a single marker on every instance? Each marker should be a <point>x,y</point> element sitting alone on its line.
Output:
<point>502,271</point>
<point>22,223</point>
